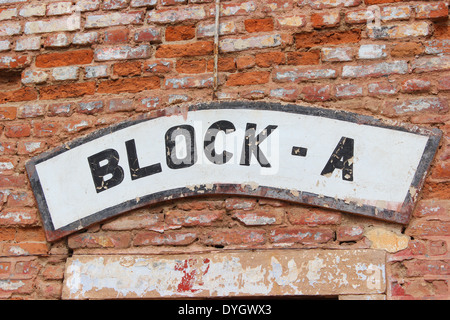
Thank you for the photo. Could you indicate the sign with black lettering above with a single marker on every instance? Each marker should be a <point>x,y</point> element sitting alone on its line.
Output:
<point>320,157</point>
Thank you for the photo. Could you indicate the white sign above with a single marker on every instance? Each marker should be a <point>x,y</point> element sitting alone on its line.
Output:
<point>320,157</point>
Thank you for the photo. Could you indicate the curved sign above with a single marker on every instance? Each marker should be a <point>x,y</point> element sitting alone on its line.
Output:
<point>307,155</point>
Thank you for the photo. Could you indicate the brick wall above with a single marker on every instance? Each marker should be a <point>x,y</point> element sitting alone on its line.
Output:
<point>69,68</point>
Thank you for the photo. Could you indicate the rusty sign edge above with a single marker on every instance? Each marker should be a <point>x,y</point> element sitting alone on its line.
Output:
<point>402,216</point>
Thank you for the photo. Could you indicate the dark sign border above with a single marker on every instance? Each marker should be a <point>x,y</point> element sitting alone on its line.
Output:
<point>434,135</point>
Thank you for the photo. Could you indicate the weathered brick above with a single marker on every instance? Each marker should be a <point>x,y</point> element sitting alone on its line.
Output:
<point>436,10</point>
<point>260,217</point>
<point>313,217</point>
<point>237,9</point>
<point>176,15</point>
<point>437,46</point>
<point>30,111</point>
<point>113,19</point>
<point>199,48</point>
<point>294,21</point>
<point>411,106</point>
<point>375,70</point>
<point>67,58</point>
<point>90,107</point>
<point>196,81</point>
<point>60,109</point>
<point>248,78</point>
<point>114,4</point>
<point>301,235</point>
<point>285,94</point>
<point>313,39</point>
<point>74,126</point>
<point>28,43</point>
<point>220,237</point>
<point>26,249</point>
<point>18,217</point>
<point>337,54</point>
<point>193,218</point>
<point>402,12</point>
<point>8,13</point>
<point>99,71</point>
<point>349,90</point>
<point>72,90</point>
<point>33,10</point>
<point>323,4</point>
<point>444,83</point>
<point>85,38</point>
<point>149,34</point>
<point>327,19</point>
<point>245,62</point>
<point>372,51</point>
<point>65,73</point>
<point>129,85</point>
<point>26,147</point>
<point>250,42</point>
<point>9,28</point>
<point>58,40</point>
<point>428,64</point>
<point>413,29</point>
<point>146,238</point>
<point>67,23</point>
<point>415,85</point>
<point>158,66</point>
<point>381,88</point>
<point>122,52</point>
<point>59,8</point>
<point>172,2</point>
<point>296,74</point>
<point>116,36</point>
<point>34,76</point>
<point>100,240</point>
<point>5,45</point>
<point>349,233</point>
<point>45,128</point>
<point>317,93</point>
<point>206,29</point>
<point>143,3</point>
<point>422,228</point>
<point>120,105</point>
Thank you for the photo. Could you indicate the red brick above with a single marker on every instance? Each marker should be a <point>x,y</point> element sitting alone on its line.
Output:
<point>199,48</point>
<point>441,171</point>
<point>268,59</point>
<point>437,10</point>
<point>25,249</point>
<point>192,218</point>
<point>245,62</point>
<point>442,31</point>
<point>18,217</point>
<point>24,94</point>
<point>14,181</point>
<point>59,59</point>
<point>17,130</point>
<point>349,233</point>
<point>226,237</point>
<point>259,25</point>
<point>8,113</point>
<point>116,36</point>
<point>179,33</point>
<point>317,93</point>
<point>415,85</point>
<point>303,58</point>
<point>72,90</point>
<point>313,217</point>
<point>415,267</point>
<point>370,2</point>
<point>100,240</point>
<point>223,65</point>
<point>191,66</point>
<point>248,78</point>
<point>422,228</point>
<point>406,49</point>
<point>327,19</point>
<point>45,128</point>
<point>170,239</point>
<point>313,39</point>
<point>14,62</point>
<point>443,84</point>
<point>301,235</point>
<point>149,34</point>
<point>129,68</point>
<point>129,85</point>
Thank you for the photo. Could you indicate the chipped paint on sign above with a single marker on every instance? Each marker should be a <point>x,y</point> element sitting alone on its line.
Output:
<point>226,274</point>
<point>320,157</point>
